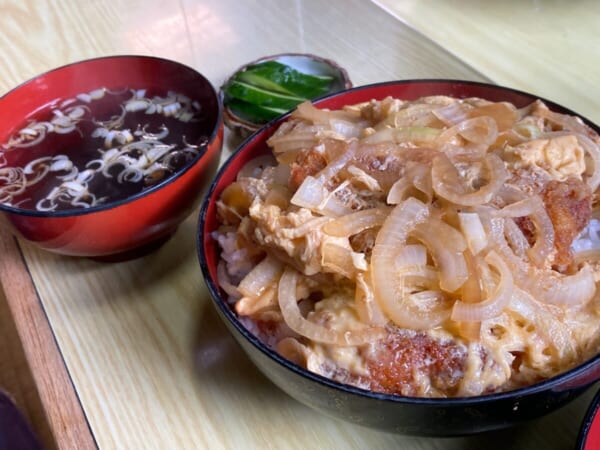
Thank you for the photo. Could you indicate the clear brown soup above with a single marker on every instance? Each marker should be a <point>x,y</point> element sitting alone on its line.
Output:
<point>82,145</point>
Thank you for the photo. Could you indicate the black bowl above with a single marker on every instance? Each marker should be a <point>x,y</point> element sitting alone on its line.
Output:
<point>406,415</point>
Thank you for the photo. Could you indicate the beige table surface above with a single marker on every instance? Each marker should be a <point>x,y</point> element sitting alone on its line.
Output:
<point>151,365</point>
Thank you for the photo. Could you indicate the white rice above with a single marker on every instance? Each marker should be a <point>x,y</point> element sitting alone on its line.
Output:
<point>589,239</point>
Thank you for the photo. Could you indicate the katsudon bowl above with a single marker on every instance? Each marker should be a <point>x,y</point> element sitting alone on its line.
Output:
<point>449,416</point>
<point>105,157</point>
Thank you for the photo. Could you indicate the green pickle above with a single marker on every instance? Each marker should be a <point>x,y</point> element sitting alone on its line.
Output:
<point>278,77</point>
<point>266,90</point>
<point>254,113</point>
<point>260,96</point>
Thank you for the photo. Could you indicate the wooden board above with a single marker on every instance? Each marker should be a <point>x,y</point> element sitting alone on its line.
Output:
<point>32,367</point>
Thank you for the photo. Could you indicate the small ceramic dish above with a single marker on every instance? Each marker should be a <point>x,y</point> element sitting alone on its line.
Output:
<point>124,226</point>
<point>305,63</point>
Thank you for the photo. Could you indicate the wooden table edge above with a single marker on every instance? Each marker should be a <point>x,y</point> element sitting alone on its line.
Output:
<point>57,395</point>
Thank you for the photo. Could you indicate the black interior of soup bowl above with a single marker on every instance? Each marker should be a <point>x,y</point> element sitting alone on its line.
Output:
<point>407,415</point>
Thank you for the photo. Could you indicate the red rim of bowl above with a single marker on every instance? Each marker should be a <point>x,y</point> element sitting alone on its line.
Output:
<point>156,187</point>
<point>589,435</point>
<point>563,381</point>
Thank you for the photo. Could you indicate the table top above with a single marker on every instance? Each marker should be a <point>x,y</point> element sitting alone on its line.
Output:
<point>149,363</point>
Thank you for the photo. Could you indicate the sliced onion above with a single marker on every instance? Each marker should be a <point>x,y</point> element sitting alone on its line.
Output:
<point>46,204</point>
<point>299,140</point>
<point>11,175</point>
<point>366,306</point>
<point>356,222</point>
<point>409,115</point>
<point>255,166</point>
<point>113,122</point>
<point>503,113</point>
<point>28,143</point>
<point>399,191</point>
<point>304,228</point>
<point>130,175</point>
<point>429,300</point>
<point>33,167</point>
<point>417,176</point>
<point>281,174</point>
<point>76,112</point>
<point>265,274</point>
<point>97,94</point>
<point>495,304</point>
<point>136,104</point>
<point>307,111</point>
<point>418,277</point>
<point>447,183</point>
<point>446,245</point>
<point>473,231</point>
<point>71,175</point>
<point>288,304</point>
<point>547,324</point>
<point>520,208</point>
<point>422,181</point>
<point>516,239</point>
<point>62,121</point>
<point>453,113</point>
<point>562,290</point>
<point>338,259</point>
<point>566,121</point>
<point>61,163</point>
<point>412,255</point>
<point>14,181</point>
<point>250,306</point>
<point>334,167</point>
<point>312,194</point>
<point>388,285</point>
<point>345,129</point>
<point>360,177</point>
<point>533,207</point>
<point>471,292</point>
<point>547,285</point>
<point>406,134</point>
<point>479,130</point>
<point>544,239</point>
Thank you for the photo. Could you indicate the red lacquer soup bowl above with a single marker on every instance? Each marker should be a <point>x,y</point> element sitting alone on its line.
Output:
<point>125,225</point>
<point>394,413</point>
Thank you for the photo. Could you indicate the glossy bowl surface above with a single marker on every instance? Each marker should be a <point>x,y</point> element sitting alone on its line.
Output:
<point>406,415</point>
<point>303,62</point>
<point>125,228</point>
<point>589,434</point>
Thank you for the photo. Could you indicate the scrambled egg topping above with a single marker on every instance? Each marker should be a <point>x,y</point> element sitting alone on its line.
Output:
<point>561,157</point>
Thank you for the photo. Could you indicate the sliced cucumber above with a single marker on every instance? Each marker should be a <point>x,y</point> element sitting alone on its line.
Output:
<point>254,113</point>
<point>274,76</point>
<point>259,96</point>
